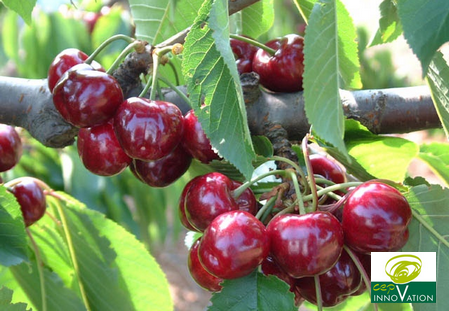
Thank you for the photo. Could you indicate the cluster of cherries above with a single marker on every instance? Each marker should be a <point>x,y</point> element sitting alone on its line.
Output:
<point>333,244</point>
<point>26,190</point>
<point>151,137</point>
<point>280,69</point>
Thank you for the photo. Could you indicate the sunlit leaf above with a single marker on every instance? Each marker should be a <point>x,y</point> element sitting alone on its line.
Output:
<point>22,7</point>
<point>390,27</point>
<point>257,18</point>
<point>436,155</point>
<point>148,16</point>
<point>6,301</point>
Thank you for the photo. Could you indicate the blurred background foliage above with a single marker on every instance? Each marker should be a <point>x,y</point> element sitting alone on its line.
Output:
<point>149,213</point>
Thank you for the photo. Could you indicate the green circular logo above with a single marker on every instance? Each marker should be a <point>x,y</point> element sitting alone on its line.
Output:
<point>403,268</point>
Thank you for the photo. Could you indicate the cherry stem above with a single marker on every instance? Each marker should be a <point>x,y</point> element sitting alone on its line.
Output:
<point>18,180</point>
<point>147,87</point>
<point>296,167</point>
<point>319,297</point>
<point>103,45</point>
<point>65,227</point>
<point>266,208</point>
<point>40,269</point>
<point>238,191</point>
<point>176,90</point>
<point>122,55</point>
<point>333,188</point>
<point>331,194</point>
<point>255,43</point>
<point>421,220</point>
<point>312,182</point>
<point>294,178</point>
<point>365,276</point>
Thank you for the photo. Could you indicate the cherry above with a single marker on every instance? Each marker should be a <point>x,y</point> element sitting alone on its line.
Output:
<point>281,72</point>
<point>100,150</point>
<point>86,97</point>
<point>65,60</point>
<point>196,141</point>
<point>376,218</point>
<point>337,284</point>
<point>148,130</point>
<point>233,245</point>
<point>305,245</point>
<point>208,196</point>
<point>165,171</point>
<point>244,54</point>
<point>328,168</point>
<point>198,273</point>
<point>10,147</point>
<point>31,199</point>
<point>181,205</point>
<point>246,201</point>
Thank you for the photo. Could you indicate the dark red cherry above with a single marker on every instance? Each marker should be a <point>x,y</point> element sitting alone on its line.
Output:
<point>281,72</point>
<point>376,218</point>
<point>199,274</point>
<point>100,150</point>
<point>246,201</point>
<point>10,147</point>
<point>337,284</point>
<point>87,97</point>
<point>165,171</point>
<point>244,54</point>
<point>181,206</point>
<point>208,196</point>
<point>31,199</point>
<point>233,245</point>
<point>65,60</point>
<point>195,140</point>
<point>328,168</point>
<point>148,130</point>
<point>305,245</point>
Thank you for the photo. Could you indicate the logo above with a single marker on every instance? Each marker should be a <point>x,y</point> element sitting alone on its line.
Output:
<point>403,277</point>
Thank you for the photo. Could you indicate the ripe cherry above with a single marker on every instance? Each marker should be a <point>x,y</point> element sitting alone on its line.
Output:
<point>181,206</point>
<point>31,199</point>
<point>244,54</point>
<point>376,218</point>
<point>233,245</point>
<point>328,168</point>
<point>148,130</point>
<point>208,196</point>
<point>281,72</point>
<point>246,201</point>
<point>100,150</point>
<point>10,147</point>
<point>195,140</point>
<point>337,284</point>
<point>165,171</point>
<point>305,245</point>
<point>86,97</point>
<point>199,274</point>
<point>65,60</point>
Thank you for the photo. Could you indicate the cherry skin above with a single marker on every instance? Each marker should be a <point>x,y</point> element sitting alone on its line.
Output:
<point>195,140</point>
<point>181,206</point>
<point>246,201</point>
<point>208,196</point>
<point>198,273</point>
<point>86,97</point>
<point>337,284</point>
<point>65,60</point>
<point>163,172</point>
<point>233,245</point>
<point>305,245</point>
<point>244,54</point>
<point>148,130</point>
<point>10,147</point>
<point>281,72</point>
<point>100,151</point>
<point>31,199</point>
<point>376,218</point>
<point>328,168</point>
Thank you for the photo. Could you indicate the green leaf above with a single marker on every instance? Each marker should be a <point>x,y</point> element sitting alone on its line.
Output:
<point>438,79</point>
<point>253,292</point>
<point>436,155</point>
<point>331,63</point>
<point>13,239</point>
<point>116,270</point>
<point>305,7</point>
<point>148,16</point>
<point>23,7</point>
<point>258,18</point>
<point>426,27</point>
<point>209,70</point>
<point>390,27</point>
<point>428,233</point>
<point>390,160</point>
<point>6,301</point>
